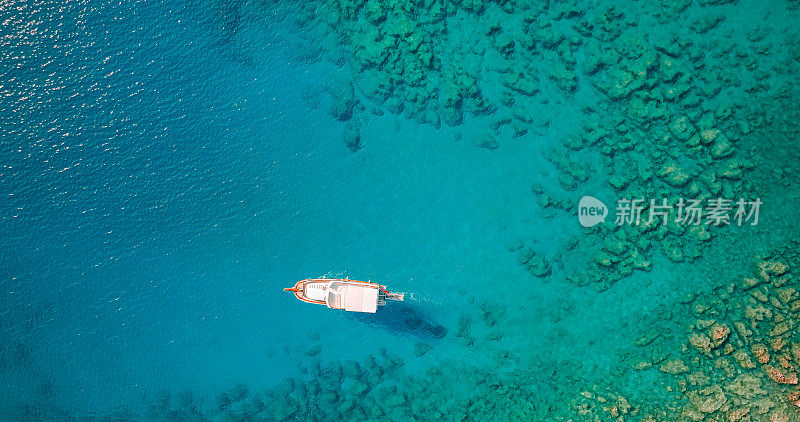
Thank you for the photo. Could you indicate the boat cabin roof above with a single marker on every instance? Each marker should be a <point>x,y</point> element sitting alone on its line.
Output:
<point>353,298</point>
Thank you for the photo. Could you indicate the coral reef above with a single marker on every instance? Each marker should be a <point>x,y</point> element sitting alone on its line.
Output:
<point>740,357</point>
<point>668,114</point>
<point>535,263</point>
<point>675,133</point>
<point>378,389</point>
<point>665,114</point>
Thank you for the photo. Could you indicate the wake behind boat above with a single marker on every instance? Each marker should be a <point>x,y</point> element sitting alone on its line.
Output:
<point>350,295</point>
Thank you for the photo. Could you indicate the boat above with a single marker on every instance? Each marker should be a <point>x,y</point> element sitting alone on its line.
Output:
<point>350,295</point>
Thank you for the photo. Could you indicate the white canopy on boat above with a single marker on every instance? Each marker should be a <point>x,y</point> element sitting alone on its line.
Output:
<point>353,298</point>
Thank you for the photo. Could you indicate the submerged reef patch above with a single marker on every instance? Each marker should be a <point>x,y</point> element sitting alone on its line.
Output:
<point>668,100</point>
<point>739,357</point>
<point>679,117</point>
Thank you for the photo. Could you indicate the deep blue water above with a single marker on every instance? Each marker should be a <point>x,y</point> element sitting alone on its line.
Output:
<point>141,179</point>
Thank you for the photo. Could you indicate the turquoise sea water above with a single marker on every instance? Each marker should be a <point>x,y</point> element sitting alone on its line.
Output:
<point>169,167</point>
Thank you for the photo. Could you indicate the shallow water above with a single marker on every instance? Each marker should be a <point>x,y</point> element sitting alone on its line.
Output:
<point>169,167</point>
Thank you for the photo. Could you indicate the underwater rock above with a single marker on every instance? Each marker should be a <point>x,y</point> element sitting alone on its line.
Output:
<point>239,392</point>
<point>622,83</point>
<point>519,129</point>
<point>778,416</point>
<point>224,401</point>
<point>315,367</point>
<point>523,83</point>
<point>593,58</point>
<point>706,23</point>
<point>708,400</point>
<point>743,359</point>
<point>780,376</point>
<point>374,11</point>
<point>500,120</point>
<point>283,410</point>
<point>677,92</point>
<point>565,79</point>
<point>463,326</point>
<point>674,175</point>
<point>344,101</point>
<point>715,2</point>
<point>615,245</point>
<point>359,388</point>
<point>352,136</point>
<point>721,147</point>
<point>574,143</point>
<point>515,245</point>
<point>421,349</point>
<point>504,44</point>
<point>549,37</point>
<point>539,267</point>
<point>525,255</point>
<point>346,406</point>
<point>391,361</point>
<point>745,385</point>
<point>673,250</point>
<point>351,369</point>
<point>701,342</point>
<point>371,49</point>
<point>374,85</point>
<point>593,405</point>
<point>394,398</point>
<point>245,409</point>
<point>772,268</point>
<point>674,367</point>
<point>490,313</point>
<point>331,376</point>
<point>731,169</point>
<point>451,100</point>
<point>486,141</point>
<point>681,128</point>
<point>329,396</point>
<point>719,333</point>
<point>672,8</point>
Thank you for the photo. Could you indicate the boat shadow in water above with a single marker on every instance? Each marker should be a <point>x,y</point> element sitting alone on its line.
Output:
<point>404,317</point>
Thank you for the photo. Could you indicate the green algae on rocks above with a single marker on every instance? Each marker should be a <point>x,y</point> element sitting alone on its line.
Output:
<point>738,358</point>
